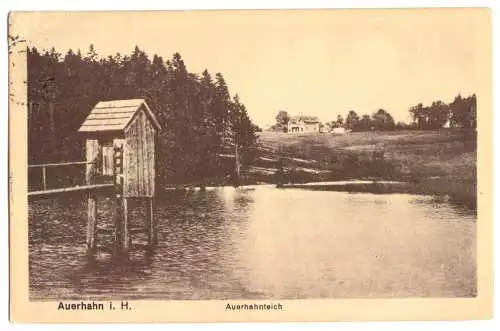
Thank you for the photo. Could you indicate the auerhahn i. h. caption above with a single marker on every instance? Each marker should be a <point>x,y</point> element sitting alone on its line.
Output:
<point>92,305</point>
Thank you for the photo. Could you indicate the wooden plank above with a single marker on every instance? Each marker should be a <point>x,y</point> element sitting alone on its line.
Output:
<point>118,225</point>
<point>105,121</point>
<point>148,165</point>
<point>111,118</point>
<point>120,103</point>
<point>115,110</point>
<point>58,164</point>
<point>137,158</point>
<point>75,189</point>
<point>130,164</point>
<point>134,160</point>
<point>44,179</point>
<point>125,226</point>
<point>93,153</point>
<point>91,222</point>
<point>149,158</point>
<point>118,210</point>
<point>151,224</point>
<point>136,177</point>
<point>141,140</point>
<point>153,162</point>
<point>109,115</point>
<point>101,128</point>
<point>126,163</point>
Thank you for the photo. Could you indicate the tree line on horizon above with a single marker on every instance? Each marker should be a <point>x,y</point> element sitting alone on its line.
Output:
<point>461,112</point>
<point>201,122</point>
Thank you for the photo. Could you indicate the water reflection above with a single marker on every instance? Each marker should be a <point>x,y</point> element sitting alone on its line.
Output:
<point>263,242</point>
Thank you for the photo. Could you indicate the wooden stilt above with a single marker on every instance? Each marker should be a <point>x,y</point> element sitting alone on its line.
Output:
<point>125,227</point>
<point>122,227</point>
<point>151,224</point>
<point>44,178</point>
<point>121,208</point>
<point>118,226</point>
<point>93,154</point>
<point>91,222</point>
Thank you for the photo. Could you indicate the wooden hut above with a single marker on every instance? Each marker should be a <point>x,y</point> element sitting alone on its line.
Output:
<point>126,128</point>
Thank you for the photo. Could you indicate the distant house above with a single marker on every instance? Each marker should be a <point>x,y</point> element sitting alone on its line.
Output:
<point>303,124</point>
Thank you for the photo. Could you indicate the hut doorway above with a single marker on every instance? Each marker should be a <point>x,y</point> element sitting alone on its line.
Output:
<point>107,157</point>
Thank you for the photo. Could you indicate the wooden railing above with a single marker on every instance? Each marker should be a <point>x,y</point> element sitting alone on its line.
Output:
<point>90,184</point>
<point>47,165</point>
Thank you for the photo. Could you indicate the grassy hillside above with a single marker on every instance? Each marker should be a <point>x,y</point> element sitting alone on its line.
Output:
<point>441,162</point>
<point>413,153</point>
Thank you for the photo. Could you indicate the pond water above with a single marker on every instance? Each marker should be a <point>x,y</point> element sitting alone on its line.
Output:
<point>263,243</point>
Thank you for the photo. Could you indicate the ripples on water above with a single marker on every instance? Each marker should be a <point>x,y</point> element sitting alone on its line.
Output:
<point>262,243</point>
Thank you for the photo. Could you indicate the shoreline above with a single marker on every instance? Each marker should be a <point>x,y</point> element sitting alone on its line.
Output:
<point>457,190</point>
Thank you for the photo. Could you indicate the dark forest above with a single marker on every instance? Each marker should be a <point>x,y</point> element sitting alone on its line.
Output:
<point>203,126</point>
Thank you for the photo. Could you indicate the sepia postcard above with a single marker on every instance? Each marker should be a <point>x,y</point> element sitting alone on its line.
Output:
<point>250,165</point>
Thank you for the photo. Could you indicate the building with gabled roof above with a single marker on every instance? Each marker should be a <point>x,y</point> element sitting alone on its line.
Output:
<point>131,127</point>
<point>116,115</point>
<point>303,124</point>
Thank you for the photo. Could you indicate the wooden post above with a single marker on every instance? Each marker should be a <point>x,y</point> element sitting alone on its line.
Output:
<point>151,224</point>
<point>91,222</point>
<point>125,227</point>
<point>118,225</point>
<point>44,178</point>
<point>92,151</point>
<point>122,233</point>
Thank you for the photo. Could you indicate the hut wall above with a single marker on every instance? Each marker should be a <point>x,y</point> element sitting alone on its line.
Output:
<point>139,158</point>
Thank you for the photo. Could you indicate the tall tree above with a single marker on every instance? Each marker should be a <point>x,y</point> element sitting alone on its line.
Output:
<point>382,120</point>
<point>439,113</point>
<point>463,111</point>
<point>365,123</point>
<point>352,120</point>
<point>282,119</point>
<point>419,115</point>
<point>339,121</point>
<point>222,106</point>
<point>244,136</point>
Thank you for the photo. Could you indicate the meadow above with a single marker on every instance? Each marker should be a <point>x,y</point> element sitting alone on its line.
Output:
<point>438,162</point>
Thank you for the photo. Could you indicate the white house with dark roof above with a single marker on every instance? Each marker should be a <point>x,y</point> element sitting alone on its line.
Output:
<point>303,124</point>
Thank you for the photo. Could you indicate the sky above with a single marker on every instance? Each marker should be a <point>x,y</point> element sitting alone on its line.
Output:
<point>317,62</point>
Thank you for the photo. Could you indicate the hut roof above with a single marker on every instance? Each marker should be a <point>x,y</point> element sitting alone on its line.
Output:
<point>115,115</point>
<point>305,119</point>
